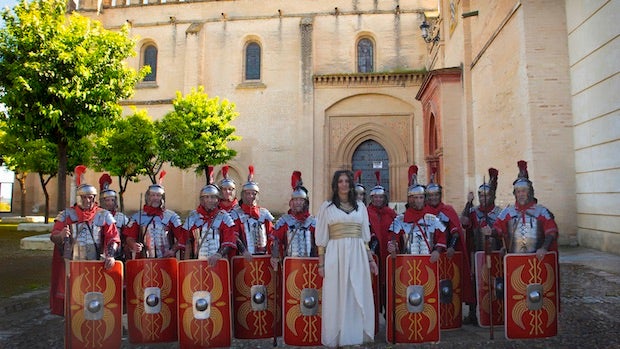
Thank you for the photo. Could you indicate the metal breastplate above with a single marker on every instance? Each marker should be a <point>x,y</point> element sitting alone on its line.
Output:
<point>299,242</point>
<point>525,236</point>
<point>256,236</point>
<point>206,241</point>
<point>415,242</point>
<point>156,240</point>
<point>85,248</point>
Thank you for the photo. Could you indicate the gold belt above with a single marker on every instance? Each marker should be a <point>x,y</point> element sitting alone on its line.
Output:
<point>345,230</point>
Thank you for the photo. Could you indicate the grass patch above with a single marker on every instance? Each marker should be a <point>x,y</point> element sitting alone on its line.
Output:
<point>22,270</point>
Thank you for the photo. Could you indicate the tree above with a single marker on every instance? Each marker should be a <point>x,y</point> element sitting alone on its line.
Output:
<point>197,131</point>
<point>128,149</point>
<point>62,76</point>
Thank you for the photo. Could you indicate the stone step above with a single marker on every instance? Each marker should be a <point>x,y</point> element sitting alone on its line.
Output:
<point>42,227</point>
<point>37,242</point>
<point>21,219</point>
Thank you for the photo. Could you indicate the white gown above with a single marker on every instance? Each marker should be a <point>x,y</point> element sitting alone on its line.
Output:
<point>348,310</point>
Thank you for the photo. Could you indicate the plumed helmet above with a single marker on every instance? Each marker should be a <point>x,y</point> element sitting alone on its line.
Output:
<point>158,187</point>
<point>490,186</point>
<point>226,182</point>
<point>414,188</point>
<point>357,178</point>
<point>377,189</point>
<point>104,186</point>
<point>433,186</point>
<point>210,188</point>
<point>299,191</point>
<point>81,187</point>
<point>250,184</point>
<point>523,179</point>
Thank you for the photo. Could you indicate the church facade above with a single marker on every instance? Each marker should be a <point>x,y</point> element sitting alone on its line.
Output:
<point>327,85</point>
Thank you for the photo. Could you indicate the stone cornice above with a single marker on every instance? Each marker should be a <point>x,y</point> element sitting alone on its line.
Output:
<point>369,80</point>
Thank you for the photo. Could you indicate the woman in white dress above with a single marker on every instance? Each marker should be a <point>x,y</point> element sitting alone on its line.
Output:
<point>345,263</point>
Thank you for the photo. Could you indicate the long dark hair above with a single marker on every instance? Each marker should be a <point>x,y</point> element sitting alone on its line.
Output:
<point>350,195</point>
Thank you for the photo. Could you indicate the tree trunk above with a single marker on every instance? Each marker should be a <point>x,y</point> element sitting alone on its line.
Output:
<point>62,176</point>
<point>47,196</point>
<point>21,178</point>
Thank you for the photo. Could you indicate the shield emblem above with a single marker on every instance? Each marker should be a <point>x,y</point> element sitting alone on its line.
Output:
<point>94,305</point>
<point>302,301</point>
<point>531,296</point>
<point>412,305</point>
<point>490,288</point>
<point>255,302</point>
<point>450,290</point>
<point>152,300</point>
<point>204,304</point>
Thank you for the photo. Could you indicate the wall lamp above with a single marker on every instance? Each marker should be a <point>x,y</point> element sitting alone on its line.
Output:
<point>429,33</point>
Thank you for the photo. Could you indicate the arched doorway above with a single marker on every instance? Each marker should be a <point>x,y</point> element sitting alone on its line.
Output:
<point>369,157</point>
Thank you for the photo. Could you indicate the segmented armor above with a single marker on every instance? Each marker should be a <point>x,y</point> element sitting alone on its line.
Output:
<point>155,231</point>
<point>479,218</point>
<point>255,229</point>
<point>87,236</point>
<point>525,230</point>
<point>419,237</point>
<point>299,235</point>
<point>206,236</point>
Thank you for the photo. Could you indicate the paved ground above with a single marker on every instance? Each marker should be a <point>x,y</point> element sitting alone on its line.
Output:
<point>590,282</point>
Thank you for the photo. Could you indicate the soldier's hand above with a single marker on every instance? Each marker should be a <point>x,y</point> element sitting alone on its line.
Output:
<point>212,259</point>
<point>137,247</point>
<point>450,252</point>
<point>247,255</point>
<point>374,269</point>
<point>321,271</point>
<point>274,263</point>
<point>470,196</point>
<point>108,263</point>
<point>66,232</point>
<point>486,230</point>
<point>434,256</point>
<point>540,253</point>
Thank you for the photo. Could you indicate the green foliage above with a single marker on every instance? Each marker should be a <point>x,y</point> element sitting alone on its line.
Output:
<point>197,131</point>
<point>62,76</point>
<point>128,149</point>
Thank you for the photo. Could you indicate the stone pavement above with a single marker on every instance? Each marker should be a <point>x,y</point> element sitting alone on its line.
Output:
<point>590,298</point>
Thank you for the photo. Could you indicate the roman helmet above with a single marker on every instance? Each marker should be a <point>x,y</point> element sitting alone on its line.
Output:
<point>157,188</point>
<point>377,189</point>
<point>433,186</point>
<point>359,187</point>
<point>226,182</point>
<point>414,188</point>
<point>210,188</point>
<point>490,187</point>
<point>523,179</point>
<point>299,191</point>
<point>250,184</point>
<point>104,186</point>
<point>81,187</point>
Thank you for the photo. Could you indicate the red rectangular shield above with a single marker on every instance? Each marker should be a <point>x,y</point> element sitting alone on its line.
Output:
<point>531,296</point>
<point>94,305</point>
<point>204,304</point>
<point>488,283</point>
<point>255,302</point>
<point>152,300</point>
<point>450,290</point>
<point>412,305</point>
<point>302,301</point>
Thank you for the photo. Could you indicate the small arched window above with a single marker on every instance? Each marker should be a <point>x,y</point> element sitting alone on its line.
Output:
<point>149,57</point>
<point>365,56</point>
<point>252,61</point>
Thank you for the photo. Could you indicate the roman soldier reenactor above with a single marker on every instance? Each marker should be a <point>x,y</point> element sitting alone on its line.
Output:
<point>381,217</point>
<point>526,226</point>
<point>294,232</point>
<point>210,230</point>
<point>418,231</point>
<point>255,222</point>
<point>109,201</point>
<point>83,231</point>
<point>154,231</point>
